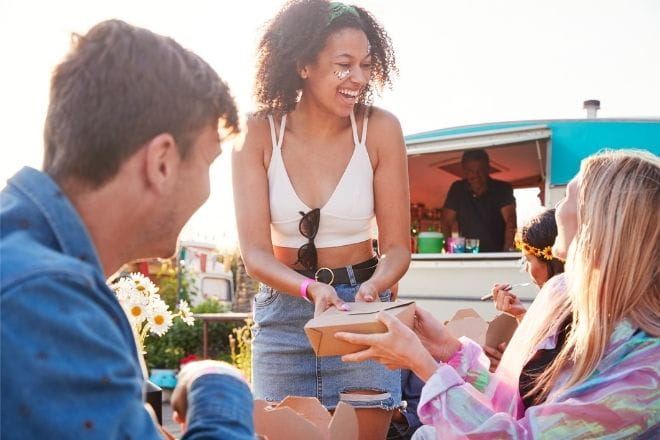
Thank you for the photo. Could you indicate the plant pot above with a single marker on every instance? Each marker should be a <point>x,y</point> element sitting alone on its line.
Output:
<point>163,377</point>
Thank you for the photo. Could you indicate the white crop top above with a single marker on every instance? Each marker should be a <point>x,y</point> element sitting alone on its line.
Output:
<point>347,216</point>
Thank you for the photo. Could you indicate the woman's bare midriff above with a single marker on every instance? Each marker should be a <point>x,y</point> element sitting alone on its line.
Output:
<point>329,257</point>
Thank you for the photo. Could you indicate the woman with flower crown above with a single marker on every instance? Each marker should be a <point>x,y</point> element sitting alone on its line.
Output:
<point>318,166</point>
<point>536,239</point>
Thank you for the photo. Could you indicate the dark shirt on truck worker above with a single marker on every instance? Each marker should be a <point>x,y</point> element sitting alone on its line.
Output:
<point>483,207</point>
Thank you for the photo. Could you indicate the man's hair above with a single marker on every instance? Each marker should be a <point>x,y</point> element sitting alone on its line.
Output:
<point>118,88</point>
<point>475,155</point>
<point>297,35</point>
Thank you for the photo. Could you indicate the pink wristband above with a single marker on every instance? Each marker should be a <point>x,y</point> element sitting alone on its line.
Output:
<point>303,288</point>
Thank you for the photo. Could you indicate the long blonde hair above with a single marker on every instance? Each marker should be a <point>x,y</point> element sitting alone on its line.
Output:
<point>612,266</point>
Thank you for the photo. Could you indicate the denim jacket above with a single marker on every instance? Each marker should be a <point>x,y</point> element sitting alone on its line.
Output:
<point>69,365</point>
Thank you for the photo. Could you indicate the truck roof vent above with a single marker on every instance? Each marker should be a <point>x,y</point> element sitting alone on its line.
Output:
<point>592,106</point>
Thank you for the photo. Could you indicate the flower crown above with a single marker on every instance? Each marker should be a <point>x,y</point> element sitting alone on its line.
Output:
<point>545,253</point>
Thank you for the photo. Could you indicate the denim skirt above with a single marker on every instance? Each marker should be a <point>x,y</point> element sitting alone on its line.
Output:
<point>284,364</point>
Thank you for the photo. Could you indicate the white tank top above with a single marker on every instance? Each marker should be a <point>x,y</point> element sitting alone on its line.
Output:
<point>347,216</point>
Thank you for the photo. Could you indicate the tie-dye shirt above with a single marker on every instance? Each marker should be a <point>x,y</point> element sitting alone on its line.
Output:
<point>621,399</point>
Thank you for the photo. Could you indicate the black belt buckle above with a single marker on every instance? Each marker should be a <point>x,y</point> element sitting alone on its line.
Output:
<point>321,271</point>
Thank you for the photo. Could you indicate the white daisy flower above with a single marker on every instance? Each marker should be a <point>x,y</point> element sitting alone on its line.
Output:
<point>160,320</point>
<point>134,296</point>
<point>186,314</point>
<point>138,278</point>
<point>123,289</point>
<point>136,310</point>
<point>143,284</point>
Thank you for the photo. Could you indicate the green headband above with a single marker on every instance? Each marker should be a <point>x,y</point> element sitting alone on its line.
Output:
<point>337,9</point>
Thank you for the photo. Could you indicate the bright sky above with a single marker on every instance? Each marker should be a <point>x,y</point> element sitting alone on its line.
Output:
<point>461,62</point>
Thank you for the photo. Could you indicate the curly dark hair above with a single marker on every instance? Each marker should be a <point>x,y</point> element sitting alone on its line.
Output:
<point>296,36</point>
<point>540,232</point>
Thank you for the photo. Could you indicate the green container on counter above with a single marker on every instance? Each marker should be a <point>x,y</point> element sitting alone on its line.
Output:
<point>430,242</point>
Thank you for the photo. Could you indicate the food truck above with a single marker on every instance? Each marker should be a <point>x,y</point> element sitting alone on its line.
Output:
<point>533,156</point>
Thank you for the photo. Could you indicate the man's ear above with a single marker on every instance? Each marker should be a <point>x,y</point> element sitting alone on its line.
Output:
<point>162,160</point>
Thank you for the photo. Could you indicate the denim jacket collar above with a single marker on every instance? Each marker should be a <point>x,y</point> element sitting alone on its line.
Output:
<point>63,219</point>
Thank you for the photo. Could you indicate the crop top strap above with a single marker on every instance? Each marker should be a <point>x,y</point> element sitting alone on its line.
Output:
<point>365,121</point>
<point>273,139</point>
<point>356,139</point>
<point>277,142</point>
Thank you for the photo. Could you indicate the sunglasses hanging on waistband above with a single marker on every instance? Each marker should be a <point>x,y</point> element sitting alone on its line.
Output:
<point>309,227</point>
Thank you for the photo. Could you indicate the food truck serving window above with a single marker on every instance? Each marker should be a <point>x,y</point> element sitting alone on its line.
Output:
<point>518,157</point>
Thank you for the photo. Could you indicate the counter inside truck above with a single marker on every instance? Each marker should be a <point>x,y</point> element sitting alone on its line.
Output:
<point>535,157</point>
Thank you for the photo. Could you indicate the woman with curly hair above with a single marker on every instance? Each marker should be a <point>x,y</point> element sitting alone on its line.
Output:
<point>318,166</point>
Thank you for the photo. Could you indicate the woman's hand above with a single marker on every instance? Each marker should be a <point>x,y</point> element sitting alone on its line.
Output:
<point>507,302</point>
<point>367,293</point>
<point>324,296</point>
<point>494,355</point>
<point>399,347</point>
<point>434,336</point>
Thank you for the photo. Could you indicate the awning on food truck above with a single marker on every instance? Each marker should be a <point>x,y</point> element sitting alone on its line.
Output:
<point>568,141</point>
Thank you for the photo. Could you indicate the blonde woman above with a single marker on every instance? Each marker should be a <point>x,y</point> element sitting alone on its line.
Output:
<point>597,327</point>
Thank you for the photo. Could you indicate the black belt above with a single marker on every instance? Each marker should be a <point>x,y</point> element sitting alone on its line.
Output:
<point>361,273</point>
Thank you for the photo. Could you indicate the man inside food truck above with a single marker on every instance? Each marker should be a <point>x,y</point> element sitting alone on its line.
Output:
<point>483,207</point>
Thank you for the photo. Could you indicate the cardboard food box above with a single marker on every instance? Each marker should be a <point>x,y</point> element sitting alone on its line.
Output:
<point>467,322</point>
<point>360,319</point>
<point>304,418</point>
